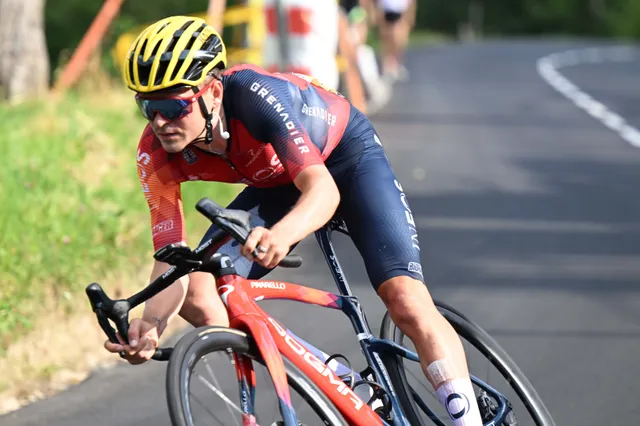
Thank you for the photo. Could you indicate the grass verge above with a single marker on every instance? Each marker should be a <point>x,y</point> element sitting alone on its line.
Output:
<point>71,212</point>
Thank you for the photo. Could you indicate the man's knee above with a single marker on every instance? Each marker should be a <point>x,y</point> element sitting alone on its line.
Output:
<point>408,302</point>
<point>202,305</point>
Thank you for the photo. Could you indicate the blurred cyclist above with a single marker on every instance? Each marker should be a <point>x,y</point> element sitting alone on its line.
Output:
<point>304,153</point>
<point>395,26</point>
<point>360,15</point>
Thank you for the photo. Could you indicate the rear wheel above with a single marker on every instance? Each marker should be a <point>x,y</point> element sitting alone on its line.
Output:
<point>418,398</point>
<point>203,386</point>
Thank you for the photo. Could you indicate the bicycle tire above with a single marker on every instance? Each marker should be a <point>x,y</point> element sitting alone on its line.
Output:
<point>204,340</point>
<point>485,344</point>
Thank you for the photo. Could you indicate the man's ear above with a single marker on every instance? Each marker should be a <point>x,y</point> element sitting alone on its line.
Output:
<point>217,89</point>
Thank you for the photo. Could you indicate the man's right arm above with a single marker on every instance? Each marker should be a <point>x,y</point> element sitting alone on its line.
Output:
<point>161,308</point>
<point>161,186</point>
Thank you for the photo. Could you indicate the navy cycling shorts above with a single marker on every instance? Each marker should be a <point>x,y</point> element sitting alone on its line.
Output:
<point>372,204</point>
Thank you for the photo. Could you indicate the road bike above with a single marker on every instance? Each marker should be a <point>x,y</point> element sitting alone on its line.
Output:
<point>330,388</point>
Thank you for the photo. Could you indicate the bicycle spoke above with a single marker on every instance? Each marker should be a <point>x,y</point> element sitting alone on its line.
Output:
<point>221,396</point>
<point>229,403</point>
<point>206,408</point>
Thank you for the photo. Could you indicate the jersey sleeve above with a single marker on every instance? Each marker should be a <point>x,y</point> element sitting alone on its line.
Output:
<point>264,105</point>
<point>161,187</point>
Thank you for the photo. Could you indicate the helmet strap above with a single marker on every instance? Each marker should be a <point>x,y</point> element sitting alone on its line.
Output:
<point>208,138</point>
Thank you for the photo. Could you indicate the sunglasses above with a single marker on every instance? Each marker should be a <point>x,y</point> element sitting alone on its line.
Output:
<point>171,108</point>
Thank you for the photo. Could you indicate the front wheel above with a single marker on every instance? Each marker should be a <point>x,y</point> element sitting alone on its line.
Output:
<point>203,386</point>
<point>523,404</point>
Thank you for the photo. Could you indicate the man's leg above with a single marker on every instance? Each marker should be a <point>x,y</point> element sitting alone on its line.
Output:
<point>202,305</point>
<point>439,348</point>
<point>381,224</point>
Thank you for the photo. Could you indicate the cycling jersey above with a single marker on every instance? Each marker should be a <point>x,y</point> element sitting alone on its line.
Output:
<point>279,124</point>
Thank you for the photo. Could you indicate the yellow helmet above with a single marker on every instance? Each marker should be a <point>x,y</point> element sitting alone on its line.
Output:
<point>175,51</point>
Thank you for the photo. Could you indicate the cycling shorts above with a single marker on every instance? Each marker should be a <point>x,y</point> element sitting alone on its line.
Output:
<point>372,204</point>
<point>393,9</point>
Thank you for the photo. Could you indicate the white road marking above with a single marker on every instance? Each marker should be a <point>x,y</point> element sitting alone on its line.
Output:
<point>548,69</point>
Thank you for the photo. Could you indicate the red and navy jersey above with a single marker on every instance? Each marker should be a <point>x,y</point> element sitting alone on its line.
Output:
<point>279,125</point>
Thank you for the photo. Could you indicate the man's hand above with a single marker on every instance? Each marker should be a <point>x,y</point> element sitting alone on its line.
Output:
<point>271,247</point>
<point>143,342</point>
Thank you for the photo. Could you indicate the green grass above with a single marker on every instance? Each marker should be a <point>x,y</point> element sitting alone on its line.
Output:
<point>71,207</point>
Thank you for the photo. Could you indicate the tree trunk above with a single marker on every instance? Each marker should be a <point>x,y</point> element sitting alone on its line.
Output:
<point>24,64</point>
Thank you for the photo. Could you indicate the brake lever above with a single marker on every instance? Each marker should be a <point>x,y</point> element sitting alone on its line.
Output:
<point>117,311</point>
<point>107,309</point>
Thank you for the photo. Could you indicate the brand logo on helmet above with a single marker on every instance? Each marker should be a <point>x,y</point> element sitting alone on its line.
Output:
<point>204,35</point>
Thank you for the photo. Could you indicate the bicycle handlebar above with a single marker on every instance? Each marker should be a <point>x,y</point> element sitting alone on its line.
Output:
<point>236,223</point>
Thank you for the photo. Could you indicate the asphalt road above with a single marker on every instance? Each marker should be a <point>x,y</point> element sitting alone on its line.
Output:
<point>529,222</point>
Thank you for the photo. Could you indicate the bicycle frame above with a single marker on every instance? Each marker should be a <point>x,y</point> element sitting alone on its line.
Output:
<point>240,296</point>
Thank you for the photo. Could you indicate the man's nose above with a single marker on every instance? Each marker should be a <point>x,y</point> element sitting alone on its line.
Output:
<point>158,120</point>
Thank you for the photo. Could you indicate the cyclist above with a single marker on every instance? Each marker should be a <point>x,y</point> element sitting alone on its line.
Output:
<point>395,26</point>
<point>304,153</point>
<point>378,89</point>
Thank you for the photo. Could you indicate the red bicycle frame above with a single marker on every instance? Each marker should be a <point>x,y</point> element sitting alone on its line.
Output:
<point>240,295</point>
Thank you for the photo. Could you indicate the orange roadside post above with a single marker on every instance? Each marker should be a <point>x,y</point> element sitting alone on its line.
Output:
<point>90,41</point>
<point>215,14</point>
<point>353,82</point>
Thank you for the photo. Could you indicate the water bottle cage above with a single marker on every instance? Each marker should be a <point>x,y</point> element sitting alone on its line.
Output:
<point>379,393</point>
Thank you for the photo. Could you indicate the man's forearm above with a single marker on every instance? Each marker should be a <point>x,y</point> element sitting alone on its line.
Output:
<point>314,209</point>
<point>166,304</point>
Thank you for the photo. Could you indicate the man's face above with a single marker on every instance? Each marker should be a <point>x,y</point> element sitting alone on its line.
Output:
<point>176,134</point>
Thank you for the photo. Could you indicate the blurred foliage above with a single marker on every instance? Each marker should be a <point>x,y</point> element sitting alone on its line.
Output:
<point>603,18</point>
<point>67,20</point>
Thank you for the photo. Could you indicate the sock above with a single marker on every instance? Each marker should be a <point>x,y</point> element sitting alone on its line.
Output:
<point>458,398</point>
